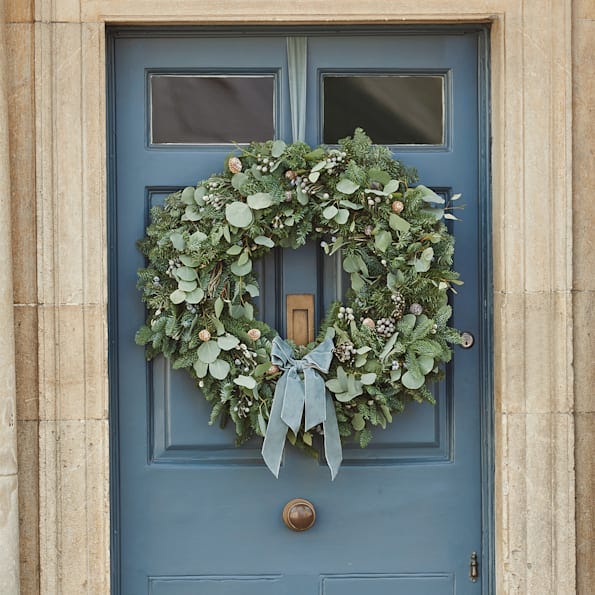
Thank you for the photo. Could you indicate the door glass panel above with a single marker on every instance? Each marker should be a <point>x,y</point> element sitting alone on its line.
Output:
<point>211,109</point>
<point>392,109</point>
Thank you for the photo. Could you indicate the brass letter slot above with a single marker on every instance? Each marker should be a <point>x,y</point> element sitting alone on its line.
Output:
<point>300,318</point>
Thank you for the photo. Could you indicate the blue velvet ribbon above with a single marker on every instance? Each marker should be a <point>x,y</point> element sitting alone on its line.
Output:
<point>296,397</point>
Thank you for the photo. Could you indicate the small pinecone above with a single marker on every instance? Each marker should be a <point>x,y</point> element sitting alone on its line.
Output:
<point>385,326</point>
<point>399,302</point>
<point>344,351</point>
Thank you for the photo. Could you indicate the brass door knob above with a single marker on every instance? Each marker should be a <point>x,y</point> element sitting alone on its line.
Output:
<point>299,514</point>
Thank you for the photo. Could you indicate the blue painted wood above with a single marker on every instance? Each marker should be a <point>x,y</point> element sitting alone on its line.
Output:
<point>403,515</point>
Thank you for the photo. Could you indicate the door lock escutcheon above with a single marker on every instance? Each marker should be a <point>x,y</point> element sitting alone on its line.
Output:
<point>467,340</point>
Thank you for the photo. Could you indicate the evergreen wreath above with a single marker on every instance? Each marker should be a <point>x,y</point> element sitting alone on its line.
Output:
<point>390,336</point>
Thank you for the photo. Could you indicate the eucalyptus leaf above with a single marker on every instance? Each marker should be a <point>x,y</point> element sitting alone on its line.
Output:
<point>358,422</point>
<point>187,286</point>
<point>219,369</point>
<point>313,177</point>
<point>426,363</point>
<point>186,273</point>
<point>252,290</point>
<point>191,214</point>
<point>330,212</point>
<point>177,241</point>
<point>395,375</point>
<point>351,264</point>
<point>350,205</point>
<point>264,241</point>
<point>208,352</point>
<point>197,237</point>
<point>261,424</point>
<point>227,234</point>
<point>218,307</point>
<point>412,381</point>
<point>200,368</point>
<point>382,240</point>
<point>388,347</point>
<point>320,165</point>
<point>189,261</point>
<point>278,148</point>
<point>199,194</point>
<point>188,195</point>
<point>239,179</point>
<point>429,195</point>
<point>391,187</point>
<point>368,379</point>
<point>195,296</point>
<point>234,250</point>
<point>335,386</point>
<point>398,223</point>
<point>249,311</point>
<point>346,186</point>
<point>342,216</point>
<point>245,381</point>
<point>239,214</point>
<point>177,296</point>
<point>357,282</point>
<point>243,258</point>
<point>379,175</point>
<point>302,197</point>
<point>240,270</point>
<point>260,200</point>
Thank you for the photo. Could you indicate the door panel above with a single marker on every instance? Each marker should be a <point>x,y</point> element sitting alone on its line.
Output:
<point>196,514</point>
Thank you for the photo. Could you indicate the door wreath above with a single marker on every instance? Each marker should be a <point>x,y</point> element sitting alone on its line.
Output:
<point>377,350</point>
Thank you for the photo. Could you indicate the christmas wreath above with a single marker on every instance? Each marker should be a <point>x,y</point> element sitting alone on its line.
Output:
<point>376,351</point>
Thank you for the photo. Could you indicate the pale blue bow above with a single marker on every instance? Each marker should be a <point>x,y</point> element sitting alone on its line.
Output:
<point>294,395</point>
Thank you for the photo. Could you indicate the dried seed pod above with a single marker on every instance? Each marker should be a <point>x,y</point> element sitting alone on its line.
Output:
<point>234,165</point>
<point>397,206</point>
<point>254,334</point>
<point>204,335</point>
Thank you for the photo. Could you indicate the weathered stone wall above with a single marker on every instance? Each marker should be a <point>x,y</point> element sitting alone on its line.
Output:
<point>583,74</point>
<point>543,86</point>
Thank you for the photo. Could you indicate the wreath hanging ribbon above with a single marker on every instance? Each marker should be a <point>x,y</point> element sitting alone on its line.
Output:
<point>296,397</point>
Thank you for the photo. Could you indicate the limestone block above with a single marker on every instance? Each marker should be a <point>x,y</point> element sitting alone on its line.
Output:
<point>28,450</point>
<point>73,362</point>
<point>584,348</point>
<point>25,326</point>
<point>585,513</point>
<point>62,11</point>
<point>535,507</point>
<point>9,534</point>
<point>533,350</point>
<point>74,511</point>
<point>19,11</point>
<point>21,115</point>
<point>584,154</point>
<point>304,11</point>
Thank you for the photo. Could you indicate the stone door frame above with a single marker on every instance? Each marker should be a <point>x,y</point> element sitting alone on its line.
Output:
<point>530,65</point>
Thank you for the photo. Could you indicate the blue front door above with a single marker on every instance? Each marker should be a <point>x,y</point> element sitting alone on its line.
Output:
<point>192,514</point>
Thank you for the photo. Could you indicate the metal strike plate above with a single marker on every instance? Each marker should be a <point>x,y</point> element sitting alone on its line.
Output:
<point>467,340</point>
<point>300,317</point>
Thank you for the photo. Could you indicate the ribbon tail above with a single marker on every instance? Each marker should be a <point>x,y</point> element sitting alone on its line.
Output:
<point>314,398</point>
<point>332,440</point>
<point>274,439</point>
<point>293,401</point>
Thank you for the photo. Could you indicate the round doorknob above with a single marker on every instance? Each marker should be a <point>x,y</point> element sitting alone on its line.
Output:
<point>299,514</point>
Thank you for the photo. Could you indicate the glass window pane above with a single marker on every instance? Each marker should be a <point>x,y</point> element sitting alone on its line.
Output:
<point>392,109</point>
<point>211,109</point>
